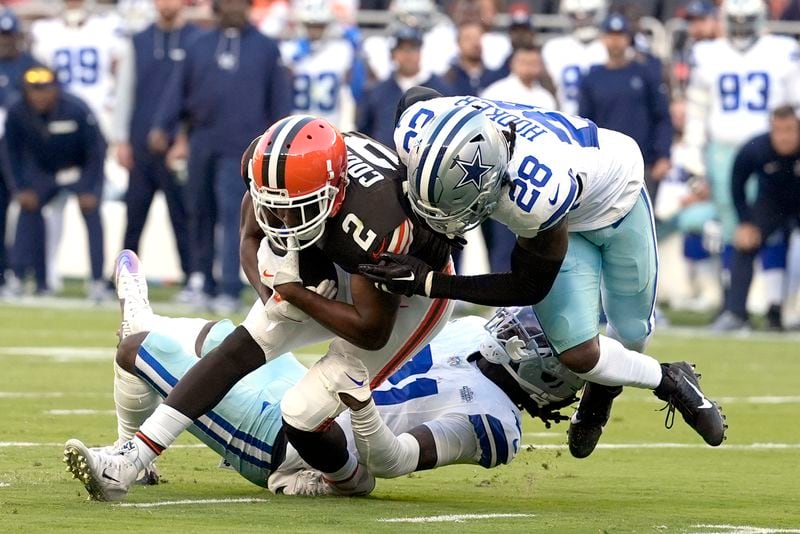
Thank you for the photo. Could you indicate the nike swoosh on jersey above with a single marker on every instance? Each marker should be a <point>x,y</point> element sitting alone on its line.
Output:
<point>705,403</point>
<point>265,274</point>
<point>554,198</point>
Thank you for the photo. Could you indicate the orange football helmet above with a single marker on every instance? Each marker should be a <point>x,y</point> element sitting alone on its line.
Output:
<point>298,176</point>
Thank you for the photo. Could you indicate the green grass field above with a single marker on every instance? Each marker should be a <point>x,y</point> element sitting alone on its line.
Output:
<point>54,362</point>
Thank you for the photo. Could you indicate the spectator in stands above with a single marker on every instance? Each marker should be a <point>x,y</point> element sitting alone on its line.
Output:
<point>625,95</point>
<point>54,143</point>
<point>774,157</point>
<point>522,86</point>
<point>376,111</point>
<point>230,85</point>
<point>153,55</point>
<point>520,33</point>
<point>468,75</point>
<point>13,62</point>
<point>702,24</point>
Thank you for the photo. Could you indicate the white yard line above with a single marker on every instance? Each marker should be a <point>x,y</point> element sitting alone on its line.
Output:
<point>4,485</point>
<point>762,399</point>
<point>61,353</point>
<point>621,446</point>
<point>188,501</point>
<point>79,412</point>
<point>48,394</point>
<point>27,444</point>
<point>742,529</point>
<point>452,518</point>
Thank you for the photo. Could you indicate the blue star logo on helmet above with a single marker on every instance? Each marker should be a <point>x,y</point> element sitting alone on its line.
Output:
<point>474,171</point>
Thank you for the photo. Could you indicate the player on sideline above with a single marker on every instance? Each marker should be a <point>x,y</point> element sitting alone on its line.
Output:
<point>320,60</point>
<point>457,401</point>
<point>297,174</point>
<point>569,57</point>
<point>534,170</point>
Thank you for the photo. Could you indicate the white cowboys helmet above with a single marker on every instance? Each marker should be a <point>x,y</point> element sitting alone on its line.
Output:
<point>456,170</point>
<point>519,345</point>
<point>318,12</point>
<point>744,21</point>
<point>585,17</point>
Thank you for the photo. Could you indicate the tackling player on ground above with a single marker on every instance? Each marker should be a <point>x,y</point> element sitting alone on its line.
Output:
<point>457,401</point>
<point>554,180</point>
<point>297,175</point>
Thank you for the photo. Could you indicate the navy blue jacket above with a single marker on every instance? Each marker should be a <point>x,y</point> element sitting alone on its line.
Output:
<point>230,89</point>
<point>778,177</point>
<point>156,56</point>
<point>10,88</point>
<point>632,100</point>
<point>11,77</point>
<point>66,137</point>
<point>376,110</point>
<point>462,84</point>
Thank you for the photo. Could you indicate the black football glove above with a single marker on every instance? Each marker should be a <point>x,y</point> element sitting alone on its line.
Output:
<point>405,275</point>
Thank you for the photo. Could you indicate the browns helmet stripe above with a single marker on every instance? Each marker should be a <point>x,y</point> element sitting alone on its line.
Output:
<point>277,148</point>
<point>262,153</point>
<point>285,147</point>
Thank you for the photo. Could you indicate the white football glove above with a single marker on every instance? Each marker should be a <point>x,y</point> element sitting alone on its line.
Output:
<point>276,270</point>
<point>279,310</point>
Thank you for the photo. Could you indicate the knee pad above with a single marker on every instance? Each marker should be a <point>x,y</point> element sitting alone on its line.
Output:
<point>313,401</point>
<point>308,405</point>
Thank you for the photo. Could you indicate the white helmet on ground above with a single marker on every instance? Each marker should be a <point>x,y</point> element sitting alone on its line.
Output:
<point>744,21</point>
<point>456,170</point>
<point>518,344</point>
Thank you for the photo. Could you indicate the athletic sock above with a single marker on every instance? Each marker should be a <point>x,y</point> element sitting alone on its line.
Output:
<point>345,473</point>
<point>135,401</point>
<point>157,433</point>
<point>618,366</point>
<point>774,284</point>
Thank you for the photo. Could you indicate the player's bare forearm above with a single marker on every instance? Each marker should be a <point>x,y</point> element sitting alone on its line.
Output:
<point>367,323</point>
<point>250,236</point>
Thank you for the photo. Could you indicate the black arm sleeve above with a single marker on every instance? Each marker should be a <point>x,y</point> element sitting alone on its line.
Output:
<point>529,281</point>
<point>412,96</point>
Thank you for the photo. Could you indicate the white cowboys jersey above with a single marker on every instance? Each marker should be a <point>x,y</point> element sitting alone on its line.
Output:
<point>562,165</point>
<point>439,388</point>
<point>567,60</point>
<point>83,57</point>
<point>319,75</point>
<point>742,87</point>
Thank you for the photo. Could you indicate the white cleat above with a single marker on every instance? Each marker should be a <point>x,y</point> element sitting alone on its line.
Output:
<point>106,476</point>
<point>306,482</point>
<point>132,293</point>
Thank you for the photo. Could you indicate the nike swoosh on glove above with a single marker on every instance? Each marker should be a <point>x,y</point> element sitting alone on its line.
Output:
<point>275,270</point>
<point>404,275</point>
<point>279,310</point>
